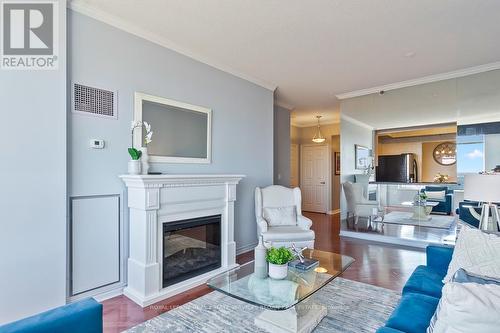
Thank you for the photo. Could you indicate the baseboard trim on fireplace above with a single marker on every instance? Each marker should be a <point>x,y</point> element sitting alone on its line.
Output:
<point>173,290</point>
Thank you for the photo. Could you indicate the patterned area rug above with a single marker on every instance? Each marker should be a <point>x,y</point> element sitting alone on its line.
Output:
<point>353,307</point>
<point>405,218</point>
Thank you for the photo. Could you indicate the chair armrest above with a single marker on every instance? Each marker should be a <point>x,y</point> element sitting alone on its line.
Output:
<point>304,222</point>
<point>439,257</point>
<point>449,198</point>
<point>262,224</point>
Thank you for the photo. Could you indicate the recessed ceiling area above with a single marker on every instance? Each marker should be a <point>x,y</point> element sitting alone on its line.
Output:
<point>307,117</point>
<point>436,130</point>
<point>426,133</point>
<point>314,50</point>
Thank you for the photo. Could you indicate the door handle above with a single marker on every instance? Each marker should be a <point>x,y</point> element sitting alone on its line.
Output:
<point>322,183</point>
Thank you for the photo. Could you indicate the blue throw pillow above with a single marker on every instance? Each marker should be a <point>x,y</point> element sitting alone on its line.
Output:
<point>462,276</point>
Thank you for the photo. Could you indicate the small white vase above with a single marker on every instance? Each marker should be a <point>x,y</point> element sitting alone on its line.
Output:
<point>134,167</point>
<point>145,160</point>
<point>278,272</point>
<point>260,263</point>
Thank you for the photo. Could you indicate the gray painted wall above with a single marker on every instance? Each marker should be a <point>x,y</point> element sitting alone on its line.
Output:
<point>351,134</point>
<point>33,195</point>
<point>242,125</point>
<point>281,146</point>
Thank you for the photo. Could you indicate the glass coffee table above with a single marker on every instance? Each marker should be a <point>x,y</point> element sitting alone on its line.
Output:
<point>288,304</point>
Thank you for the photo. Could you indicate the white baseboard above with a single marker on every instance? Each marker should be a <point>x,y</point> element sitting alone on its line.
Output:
<point>109,294</point>
<point>99,295</point>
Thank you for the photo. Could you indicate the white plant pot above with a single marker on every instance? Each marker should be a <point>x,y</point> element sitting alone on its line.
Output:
<point>144,160</point>
<point>134,167</point>
<point>278,272</point>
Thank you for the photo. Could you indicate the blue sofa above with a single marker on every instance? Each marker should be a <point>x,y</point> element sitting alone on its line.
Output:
<point>421,294</point>
<point>80,317</point>
<point>444,206</point>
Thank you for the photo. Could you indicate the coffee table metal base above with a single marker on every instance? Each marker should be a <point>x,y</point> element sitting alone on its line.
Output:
<point>302,318</point>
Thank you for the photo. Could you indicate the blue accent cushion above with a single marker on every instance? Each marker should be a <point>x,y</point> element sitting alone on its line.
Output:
<point>413,313</point>
<point>462,276</point>
<point>424,281</point>
<point>80,317</point>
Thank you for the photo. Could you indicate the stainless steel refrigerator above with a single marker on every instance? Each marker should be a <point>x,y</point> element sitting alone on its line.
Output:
<point>397,168</point>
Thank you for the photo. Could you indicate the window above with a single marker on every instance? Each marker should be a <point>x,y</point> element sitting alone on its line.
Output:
<point>470,155</point>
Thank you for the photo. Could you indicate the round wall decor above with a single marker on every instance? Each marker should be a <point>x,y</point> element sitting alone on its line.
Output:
<point>445,153</point>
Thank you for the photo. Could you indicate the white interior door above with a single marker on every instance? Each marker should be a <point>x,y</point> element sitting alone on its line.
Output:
<point>314,177</point>
<point>294,165</point>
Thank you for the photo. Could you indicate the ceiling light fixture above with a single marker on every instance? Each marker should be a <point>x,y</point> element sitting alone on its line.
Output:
<point>318,137</point>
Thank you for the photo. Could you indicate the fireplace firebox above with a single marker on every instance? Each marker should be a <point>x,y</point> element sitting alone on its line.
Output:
<point>190,248</point>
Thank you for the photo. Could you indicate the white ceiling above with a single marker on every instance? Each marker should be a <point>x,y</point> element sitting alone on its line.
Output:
<point>314,50</point>
<point>307,117</point>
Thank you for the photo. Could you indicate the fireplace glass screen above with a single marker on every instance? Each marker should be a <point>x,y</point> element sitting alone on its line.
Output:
<point>190,248</point>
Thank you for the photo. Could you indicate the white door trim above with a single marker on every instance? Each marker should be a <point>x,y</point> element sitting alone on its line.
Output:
<point>328,175</point>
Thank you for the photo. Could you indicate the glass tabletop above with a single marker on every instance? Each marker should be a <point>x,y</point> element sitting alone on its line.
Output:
<point>243,284</point>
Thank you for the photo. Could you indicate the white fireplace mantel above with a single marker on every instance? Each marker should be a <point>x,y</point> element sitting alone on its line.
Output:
<point>157,199</point>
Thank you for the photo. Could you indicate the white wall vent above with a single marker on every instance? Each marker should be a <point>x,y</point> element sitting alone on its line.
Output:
<point>94,101</point>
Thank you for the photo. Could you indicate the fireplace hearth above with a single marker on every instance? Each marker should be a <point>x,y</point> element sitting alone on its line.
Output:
<point>190,248</point>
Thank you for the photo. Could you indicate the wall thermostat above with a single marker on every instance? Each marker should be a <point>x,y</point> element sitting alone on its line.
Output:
<point>97,144</point>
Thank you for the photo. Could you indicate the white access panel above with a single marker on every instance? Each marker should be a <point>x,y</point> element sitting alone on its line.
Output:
<point>95,242</point>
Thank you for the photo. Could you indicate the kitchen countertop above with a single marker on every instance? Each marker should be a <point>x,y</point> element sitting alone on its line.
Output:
<point>419,183</point>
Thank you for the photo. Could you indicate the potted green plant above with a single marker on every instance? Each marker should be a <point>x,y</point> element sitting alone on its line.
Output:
<point>134,165</point>
<point>278,259</point>
<point>420,199</point>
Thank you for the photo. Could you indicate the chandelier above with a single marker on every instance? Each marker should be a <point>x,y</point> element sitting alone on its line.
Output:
<point>318,137</point>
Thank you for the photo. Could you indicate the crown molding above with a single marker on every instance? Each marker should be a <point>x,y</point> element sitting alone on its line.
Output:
<point>422,80</point>
<point>355,121</point>
<point>127,26</point>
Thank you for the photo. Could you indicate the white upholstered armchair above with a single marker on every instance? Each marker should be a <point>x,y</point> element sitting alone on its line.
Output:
<point>357,204</point>
<point>279,217</point>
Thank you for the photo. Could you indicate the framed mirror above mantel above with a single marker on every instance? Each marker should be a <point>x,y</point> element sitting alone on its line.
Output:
<point>182,131</point>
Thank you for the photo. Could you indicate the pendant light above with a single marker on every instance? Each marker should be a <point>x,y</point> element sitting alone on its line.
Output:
<point>318,138</point>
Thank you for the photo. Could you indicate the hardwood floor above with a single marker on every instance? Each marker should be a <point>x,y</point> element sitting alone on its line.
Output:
<point>377,264</point>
